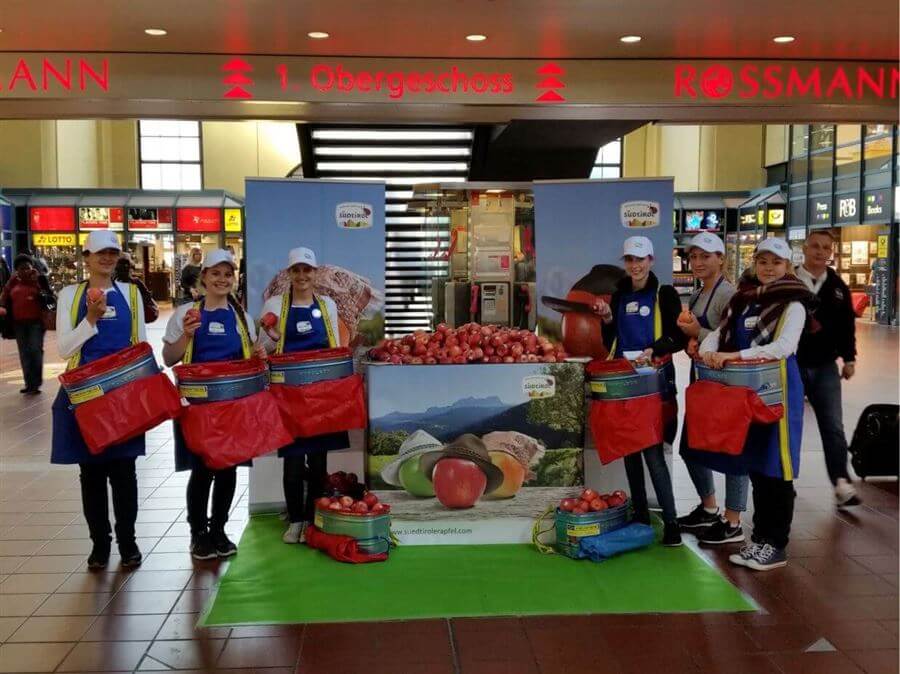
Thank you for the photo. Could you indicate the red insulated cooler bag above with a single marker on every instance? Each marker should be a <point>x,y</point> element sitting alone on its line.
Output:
<point>317,391</point>
<point>629,407</point>
<point>231,416</point>
<point>120,396</point>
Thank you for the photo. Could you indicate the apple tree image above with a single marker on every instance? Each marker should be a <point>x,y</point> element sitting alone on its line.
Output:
<point>562,412</point>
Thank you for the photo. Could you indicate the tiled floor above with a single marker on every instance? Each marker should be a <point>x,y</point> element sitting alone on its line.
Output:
<point>834,609</point>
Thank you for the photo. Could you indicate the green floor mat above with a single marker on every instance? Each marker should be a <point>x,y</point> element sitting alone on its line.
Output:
<point>270,582</point>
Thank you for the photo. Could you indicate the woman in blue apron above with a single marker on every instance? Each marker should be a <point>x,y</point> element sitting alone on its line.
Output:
<point>222,332</point>
<point>640,323</point>
<point>706,253</point>
<point>765,319</point>
<point>87,330</point>
<point>306,321</point>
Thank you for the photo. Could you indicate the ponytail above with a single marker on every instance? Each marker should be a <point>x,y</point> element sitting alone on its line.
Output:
<point>239,311</point>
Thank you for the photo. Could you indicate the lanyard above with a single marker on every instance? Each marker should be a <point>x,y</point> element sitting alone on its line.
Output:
<point>242,331</point>
<point>287,299</point>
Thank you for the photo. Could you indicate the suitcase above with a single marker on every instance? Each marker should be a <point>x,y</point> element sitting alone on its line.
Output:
<point>876,446</point>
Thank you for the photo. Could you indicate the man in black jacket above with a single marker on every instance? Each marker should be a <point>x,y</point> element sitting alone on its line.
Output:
<point>818,353</point>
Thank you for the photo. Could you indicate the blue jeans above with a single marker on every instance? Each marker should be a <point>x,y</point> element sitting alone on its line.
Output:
<point>659,476</point>
<point>736,486</point>
<point>823,390</point>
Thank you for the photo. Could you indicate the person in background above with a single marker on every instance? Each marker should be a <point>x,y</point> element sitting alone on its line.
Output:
<point>818,354</point>
<point>190,275</point>
<point>307,321</point>
<point>39,262</point>
<point>125,274</point>
<point>707,305</point>
<point>765,319</point>
<point>21,302</point>
<point>4,271</point>
<point>640,323</point>
<point>86,331</point>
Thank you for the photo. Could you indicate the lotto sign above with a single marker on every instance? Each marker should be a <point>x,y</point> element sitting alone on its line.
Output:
<point>234,220</point>
<point>53,240</point>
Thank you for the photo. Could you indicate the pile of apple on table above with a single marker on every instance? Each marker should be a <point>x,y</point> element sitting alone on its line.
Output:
<point>469,343</point>
<point>591,501</point>
<point>349,496</point>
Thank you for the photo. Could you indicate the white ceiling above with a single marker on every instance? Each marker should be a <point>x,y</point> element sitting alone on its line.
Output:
<point>825,29</point>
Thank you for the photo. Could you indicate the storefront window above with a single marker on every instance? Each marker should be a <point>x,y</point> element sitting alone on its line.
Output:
<point>799,140</point>
<point>877,152</point>
<point>848,154</point>
<point>821,137</point>
<point>821,165</point>
<point>152,255</point>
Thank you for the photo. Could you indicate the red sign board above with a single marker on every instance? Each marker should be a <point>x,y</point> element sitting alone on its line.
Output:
<point>52,219</point>
<point>150,218</point>
<point>100,217</point>
<point>199,219</point>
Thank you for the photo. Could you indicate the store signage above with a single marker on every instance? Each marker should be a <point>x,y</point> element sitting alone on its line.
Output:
<point>198,219</point>
<point>639,214</point>
<point>749,219</point>
<point>52,240</point>
<point>776,217</point>
<point>876,205</point>
<point>797,234</point>
<point>52,219</point>
<point>881,280</point>
<point>53,75</point>
<point>703,221</point>
<point>234,220</point>
<point>883,245</point>
<point>352,215</point>
<point>821,210</point>
<point>100,217</point>
<point>847,209</point>
<point>150,218</point>
<point>539,386</point>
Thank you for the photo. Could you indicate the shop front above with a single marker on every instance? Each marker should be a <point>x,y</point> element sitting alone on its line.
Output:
<point>696,212</point>
<point>151,241</point>
<point>53,238</point>
<point>6,232</point>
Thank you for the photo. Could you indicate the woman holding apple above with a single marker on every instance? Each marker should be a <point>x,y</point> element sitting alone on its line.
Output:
<point>214,328</point>
<point>765,319</point>
<point>640,323</point>
<point>706,307</point>
<point>96,318</point>
<point>300,320</point>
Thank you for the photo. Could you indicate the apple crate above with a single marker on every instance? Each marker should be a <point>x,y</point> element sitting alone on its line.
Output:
<point>372,532</point>
<point>571,527</point>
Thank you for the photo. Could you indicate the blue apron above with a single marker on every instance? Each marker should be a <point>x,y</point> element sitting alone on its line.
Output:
<point>217,338</point>
<point>113,334</point>
<point>305,330</point>
<point>770,449</point>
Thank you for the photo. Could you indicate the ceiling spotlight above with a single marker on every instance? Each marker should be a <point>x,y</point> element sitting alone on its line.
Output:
<point>630,39</point>
<point>476,37</point>
<point>318,35</point>
<point>156,32</point>
<point>783,39</point>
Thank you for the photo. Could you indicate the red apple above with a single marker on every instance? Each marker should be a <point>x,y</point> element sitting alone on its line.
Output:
<point>346,501</point>
<point>359,507</point>
<point>589,495</point>
<point>379,509</point>
<point>323,502</point>
<point>94,295</point>
<point>269,320</point>
<point>567,504</point>
<point>370,499</point>
<point>335,506</point>
<point>615,501</point>
<point>579,511</point>
<point>598,504</point>
<point>458,483</point>
<point>586,505</point>
<point>396,360</point>
<point>459,360</point>
<point>621,494</point>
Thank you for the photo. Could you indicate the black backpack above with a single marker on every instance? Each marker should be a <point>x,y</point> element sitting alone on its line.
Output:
<point>876,444</point>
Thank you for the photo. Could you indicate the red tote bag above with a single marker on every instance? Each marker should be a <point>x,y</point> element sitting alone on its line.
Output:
<point>718,416</point>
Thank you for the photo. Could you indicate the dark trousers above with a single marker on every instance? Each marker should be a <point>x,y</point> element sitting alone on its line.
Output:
<point>659,475</point>
<point>773,509</point>
<point>30,342</point>
<point>311,468</point>
<point>95,499</point>
<point>822,386</point>
<point>222,483</point>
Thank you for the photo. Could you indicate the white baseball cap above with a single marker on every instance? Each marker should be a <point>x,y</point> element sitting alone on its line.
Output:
<point>101,239</point>
<point>302,256</point>
<point>775,246</point>
<point>637,246</point>
<point>218,256</point>
<point>708,242</point>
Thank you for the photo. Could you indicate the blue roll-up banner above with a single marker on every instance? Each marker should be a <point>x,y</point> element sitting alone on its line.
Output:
<point>580,227</point>
<point>343,223</point>
<point>6,233</point>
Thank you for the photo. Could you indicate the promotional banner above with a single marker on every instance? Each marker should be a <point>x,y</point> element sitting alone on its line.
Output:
<point>580,227</point>
<point>343,223</point>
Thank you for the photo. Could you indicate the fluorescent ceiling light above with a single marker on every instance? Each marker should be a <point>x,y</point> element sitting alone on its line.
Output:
<point>398,194</point>
<point>476,37</point>
<point>406,180</point>
<point>357,134</point>
<point>318,35</point>
<point>783,39</point>
<point>391,151</point>
<point>630,39</point>
<point>156,32</point>
<point>417,220</point>
<point>396,166</point>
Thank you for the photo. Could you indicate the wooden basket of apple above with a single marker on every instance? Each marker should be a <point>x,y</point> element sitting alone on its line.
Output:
<point>365,519</point>
<point>591,514</point>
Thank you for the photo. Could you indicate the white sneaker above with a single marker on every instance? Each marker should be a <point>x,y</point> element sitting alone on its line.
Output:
<point>845,494</point>
<point>746,553</point>
<point>295,533</point>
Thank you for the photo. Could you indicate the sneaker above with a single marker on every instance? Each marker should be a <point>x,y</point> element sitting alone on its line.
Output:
<point>295,533</point>
<point>202,547</point>
<point>741,558</point>
<point>131,555</point>
<point>671,535</point>
<point>767,557</point>
<point>845,494</point>
<point>222,545</point>
<point>698,518</point>
<point>99,557</point>
<point>721,532</point>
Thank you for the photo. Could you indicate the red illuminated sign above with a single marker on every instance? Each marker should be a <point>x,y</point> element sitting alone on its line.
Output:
<point>237,69</point>
<point>52,219</point>
<point>57,74</point>
<point>775,81</point>
<point>100,217</point>
<point>150,218</point>
<point>199,219</point>
<point>550,74</point>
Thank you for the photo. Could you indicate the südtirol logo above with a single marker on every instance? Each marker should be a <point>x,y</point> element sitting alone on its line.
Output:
<point>353,215</point>
<point>539,386</point>
<point>640,214</point>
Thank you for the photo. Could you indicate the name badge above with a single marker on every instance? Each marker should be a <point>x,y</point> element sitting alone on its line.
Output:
<point>631,308</point>
<point>110,312</point>
<point>216,328</point>
<point>303,327</point>
<point>751,322</point>
<point>645,311</point>
<point>316,313</point>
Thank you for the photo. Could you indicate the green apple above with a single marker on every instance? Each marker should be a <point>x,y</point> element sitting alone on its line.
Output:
<point>413,478</point>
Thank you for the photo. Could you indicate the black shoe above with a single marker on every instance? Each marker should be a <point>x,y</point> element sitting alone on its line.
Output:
<point>222,545</point>
<point>131,555</point>
<point>25,390</point>
<point>671,535</point>
<point>99,557</point>
<point>698,518</point>
<point>202,547</point>
<point>721,532</point>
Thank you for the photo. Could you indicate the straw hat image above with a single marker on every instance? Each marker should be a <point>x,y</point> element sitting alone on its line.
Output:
<point>417,444</point>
